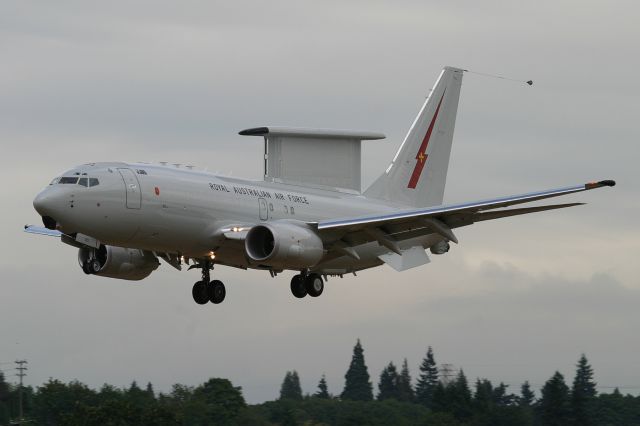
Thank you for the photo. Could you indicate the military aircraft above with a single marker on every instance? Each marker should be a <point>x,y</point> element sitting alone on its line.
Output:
<point>308,214</point>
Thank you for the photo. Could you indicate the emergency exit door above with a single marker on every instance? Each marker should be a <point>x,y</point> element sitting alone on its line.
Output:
<point>132,188</point>
<point>262,206</point>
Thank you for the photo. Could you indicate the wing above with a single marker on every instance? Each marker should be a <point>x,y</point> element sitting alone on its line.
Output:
<point>391,228</point>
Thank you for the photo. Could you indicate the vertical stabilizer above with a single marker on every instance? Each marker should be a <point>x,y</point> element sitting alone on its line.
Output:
<point>418,172</point>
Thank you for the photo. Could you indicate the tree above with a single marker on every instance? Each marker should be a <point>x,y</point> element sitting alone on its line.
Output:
<point>222,402</point>
<point>357,385</point>
<point>290,388</point>
<point>55,400</point>
<point>483,396</point>
<point>553,407</point>
<point>428,380</point>
<point>150,393</point>
<point>323,390</point>
<point>527,396</point>
<point>500,396</point>
<point>405,390</point>
<point>455,397</point>
<point>460,397</point>
<point>583,393</point>
<point>4,400</point>
<point>388,385</point>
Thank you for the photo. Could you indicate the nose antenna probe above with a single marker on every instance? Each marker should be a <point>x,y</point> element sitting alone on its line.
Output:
<point>529,82</point>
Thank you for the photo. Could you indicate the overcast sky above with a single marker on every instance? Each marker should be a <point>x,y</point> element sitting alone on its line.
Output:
<point>175,81</point>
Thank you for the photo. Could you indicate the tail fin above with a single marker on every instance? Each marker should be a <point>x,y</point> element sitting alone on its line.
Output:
<point>418,172</point>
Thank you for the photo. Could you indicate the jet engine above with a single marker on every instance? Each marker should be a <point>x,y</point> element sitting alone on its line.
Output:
<point>117,262</point>
<point>440,247</point>
<point>284,245</point>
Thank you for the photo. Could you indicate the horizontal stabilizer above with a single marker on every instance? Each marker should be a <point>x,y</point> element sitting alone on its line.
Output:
<point>41,230</point>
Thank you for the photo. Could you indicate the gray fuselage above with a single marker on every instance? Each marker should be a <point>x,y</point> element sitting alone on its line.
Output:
<point>180,211</point>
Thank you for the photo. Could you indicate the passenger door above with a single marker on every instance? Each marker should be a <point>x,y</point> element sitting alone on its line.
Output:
<point>132,188</point>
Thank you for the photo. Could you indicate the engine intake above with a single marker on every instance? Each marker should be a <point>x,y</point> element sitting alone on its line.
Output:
<point>284,245</point>
<point>120,262</point>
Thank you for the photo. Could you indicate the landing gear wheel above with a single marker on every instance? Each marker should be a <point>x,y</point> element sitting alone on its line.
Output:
<point>314,285</point>
<point>298,287</point>
<point>85,267</point>
<point>94,266</point>
<point>199,293</point>
<point>216,291</point>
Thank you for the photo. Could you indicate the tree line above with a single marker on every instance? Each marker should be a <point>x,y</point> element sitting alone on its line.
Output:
<point>429,400</point>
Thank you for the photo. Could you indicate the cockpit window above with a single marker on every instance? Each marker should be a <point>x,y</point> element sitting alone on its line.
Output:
<point>94,182</point>
<point>83,181</point>
<point>68,180</point>
<point>53,182</point>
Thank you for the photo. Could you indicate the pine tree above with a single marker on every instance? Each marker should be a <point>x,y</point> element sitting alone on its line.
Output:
<point>483,397</point>
<point>290,388</point>
<point>583,393</point>
<point>460,396</point>
<point>150,393</point>
<point>357,385</point>
<point>428,380</point>
<point>553,408</point>
<point>323,391</point>
<point>388,385</point>
<point>527,396</point>
<point>439,398</point>
<point>5,393</point>
<point>405,390</point>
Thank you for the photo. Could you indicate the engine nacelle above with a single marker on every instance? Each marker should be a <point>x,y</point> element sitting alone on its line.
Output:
<point>120,262</point>
<point>284,245</point>
<point>440,247</point>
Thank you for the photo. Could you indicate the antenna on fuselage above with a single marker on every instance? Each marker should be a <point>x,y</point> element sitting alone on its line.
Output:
<point>529,82</point>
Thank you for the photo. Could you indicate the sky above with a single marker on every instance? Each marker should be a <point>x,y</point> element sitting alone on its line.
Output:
<point>516,300</point>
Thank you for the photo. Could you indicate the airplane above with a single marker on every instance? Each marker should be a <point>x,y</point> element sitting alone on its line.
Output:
<point>307,215</point>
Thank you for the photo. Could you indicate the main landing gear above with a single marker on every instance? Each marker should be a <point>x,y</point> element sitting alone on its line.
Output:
<point>206,290</point>
<point>303,284</point>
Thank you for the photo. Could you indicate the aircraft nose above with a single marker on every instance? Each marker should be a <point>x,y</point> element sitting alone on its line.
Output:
<point>41,202</point>
<point>47,203</point>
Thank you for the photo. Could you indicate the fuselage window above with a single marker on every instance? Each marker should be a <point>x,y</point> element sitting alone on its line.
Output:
<point>83,182</point>
<point>68,180</point>
<point>94,182</point>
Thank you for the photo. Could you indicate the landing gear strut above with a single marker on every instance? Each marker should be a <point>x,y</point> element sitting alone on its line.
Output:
<point>303,284</point>
<point>91,264</point>
<point>206,290</point>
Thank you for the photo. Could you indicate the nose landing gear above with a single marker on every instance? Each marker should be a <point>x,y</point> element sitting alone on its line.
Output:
<point>206,290</point>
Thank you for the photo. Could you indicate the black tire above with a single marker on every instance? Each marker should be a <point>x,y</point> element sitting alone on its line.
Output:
<point>94,266</point>
<point>314,285</point>
<point>217,292</point>
<point>85,268</point>
<point>199,293</point>
<point>298,288</point>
